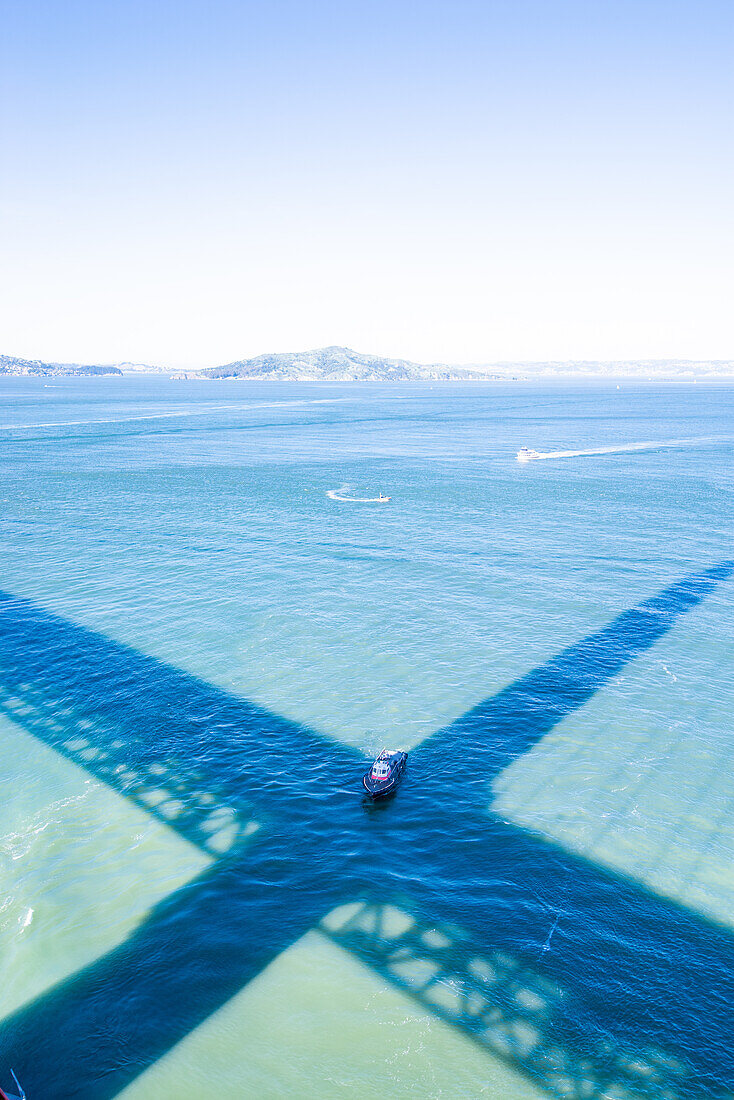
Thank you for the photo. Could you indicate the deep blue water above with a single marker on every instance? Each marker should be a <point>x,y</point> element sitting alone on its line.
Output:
<point>207,626</point>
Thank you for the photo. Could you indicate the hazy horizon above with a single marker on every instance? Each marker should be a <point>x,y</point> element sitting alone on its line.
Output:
<point>679,370</point>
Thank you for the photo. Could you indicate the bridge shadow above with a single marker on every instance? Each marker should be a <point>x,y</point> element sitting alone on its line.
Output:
<point>192,755</point>
<point>634,969</point>
<point>506,1002</point>
<point>95,1032</point>
<point>230,777</point>
<point>499,730</point>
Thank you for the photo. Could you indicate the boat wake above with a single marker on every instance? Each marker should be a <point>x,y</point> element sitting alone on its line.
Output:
<point>171,414</point>
<point>650,445</point>
<point>340,495</point>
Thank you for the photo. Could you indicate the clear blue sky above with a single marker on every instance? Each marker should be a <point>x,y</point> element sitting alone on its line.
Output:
<point>190,183</point>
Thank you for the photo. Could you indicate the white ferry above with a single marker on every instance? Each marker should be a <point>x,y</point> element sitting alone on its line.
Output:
<point>525,454</point>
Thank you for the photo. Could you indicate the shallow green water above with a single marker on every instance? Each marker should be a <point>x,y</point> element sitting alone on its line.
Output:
<point>193,524</point>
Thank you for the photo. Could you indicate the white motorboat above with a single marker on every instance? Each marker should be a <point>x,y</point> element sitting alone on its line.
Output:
<point>526,454</point>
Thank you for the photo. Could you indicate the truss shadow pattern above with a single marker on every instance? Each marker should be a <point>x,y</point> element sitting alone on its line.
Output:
<point>505,1003</point>
<point>230,777</point>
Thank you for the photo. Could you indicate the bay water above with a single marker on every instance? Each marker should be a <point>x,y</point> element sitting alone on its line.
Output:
<point>210,621</point>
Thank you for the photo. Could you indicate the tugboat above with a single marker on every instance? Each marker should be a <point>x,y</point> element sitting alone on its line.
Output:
<point>385,774</point>
<point>19,1095</point>
<point>526,454</point>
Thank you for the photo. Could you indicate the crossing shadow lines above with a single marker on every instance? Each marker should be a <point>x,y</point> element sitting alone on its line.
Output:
<point>215,768</point>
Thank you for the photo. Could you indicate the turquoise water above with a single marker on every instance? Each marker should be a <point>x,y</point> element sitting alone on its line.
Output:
<point>205,631</point>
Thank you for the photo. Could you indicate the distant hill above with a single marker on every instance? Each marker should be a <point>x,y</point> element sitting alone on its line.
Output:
<point>335,364</point>
<point>9,364</point>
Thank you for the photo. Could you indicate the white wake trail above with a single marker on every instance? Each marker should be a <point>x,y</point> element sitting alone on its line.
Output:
<point>649,445</point>
<point>338,494</point>
<point>173,414</point>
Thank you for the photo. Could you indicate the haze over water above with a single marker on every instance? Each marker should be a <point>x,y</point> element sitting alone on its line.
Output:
<point>208,624</point>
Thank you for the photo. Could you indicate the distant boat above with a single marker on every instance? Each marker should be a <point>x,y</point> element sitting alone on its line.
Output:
<point>344,494</point>
<point>525,454</point>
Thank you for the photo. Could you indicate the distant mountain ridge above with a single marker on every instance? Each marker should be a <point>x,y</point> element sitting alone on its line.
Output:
<point>11,364</point>
<point>337,364</point>
<point>340,364</point>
